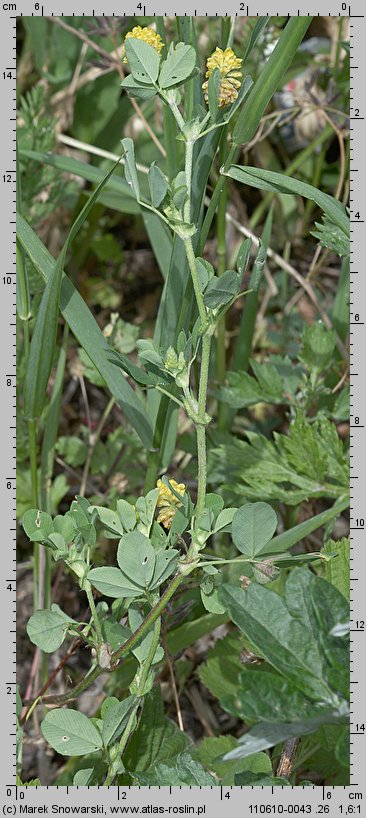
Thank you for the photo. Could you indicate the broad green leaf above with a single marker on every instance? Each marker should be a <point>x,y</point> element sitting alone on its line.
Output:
<point>183,771</point>
<point>157,739</point>
<point>252,527</point>
<point>87,332</point>
<point>136,558</point>
<point>211,601</point>
<point>267,734</point>
<point>136,89</point>
<point>337,568</point>
<point>284,640</point>
<point>48,629</point>
<point>210,753</point>
<point>158,184</point>
<point>330,235</point>
<point>220,673</point>
<point>143,59</point>
<point>84,777</point>
<point>265,696</point>
<point>178,65</point>
<point>37,525</point>
<point>249,779</point>
<point>111,582</point>
<point>280,183</point>
<point>270,79</point>
<point>44,334</point>
<point>71,733</point>
<point>220,291</point>
<point>130,166</point>
<point>116,719</point>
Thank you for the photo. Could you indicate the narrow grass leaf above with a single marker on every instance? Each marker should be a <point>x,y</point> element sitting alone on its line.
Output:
<point>86,330</point>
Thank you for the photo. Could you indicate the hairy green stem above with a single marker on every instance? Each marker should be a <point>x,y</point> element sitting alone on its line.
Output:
<point>197,291</point>
<point>93,610</point>
<point>201,428</point>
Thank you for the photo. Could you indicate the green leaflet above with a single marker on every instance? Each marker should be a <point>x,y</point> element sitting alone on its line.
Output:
<point>178,65</point>
<point>87,332</point>
<point>156,740</point>
<point>280,183</point>
<point>143,59</point>
<point>48,629</point>
<point>210,753</point>
<point>71,733</point>
<point>253,526</point>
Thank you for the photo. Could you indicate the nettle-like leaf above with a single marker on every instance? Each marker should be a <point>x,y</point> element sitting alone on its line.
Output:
<point>143,59</point>
<point>48,629</point>
<point>211,751</point>
<point>275,381</point>
<point>293,633</point>
<point>183,771</point>
<point>253,526</point>
<point>156,740</point>
<point>318,344</point>
<point>71,733</point>
<point>330,235</point>
<point>337,567</point>
<point>311,461</point>
<point>178,65</point>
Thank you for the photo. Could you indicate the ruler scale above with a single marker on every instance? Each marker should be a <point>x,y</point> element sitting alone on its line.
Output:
<point>177,800</point>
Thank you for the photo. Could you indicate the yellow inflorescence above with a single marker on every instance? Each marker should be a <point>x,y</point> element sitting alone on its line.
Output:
<point>168,502</point>
<point>148,35</point>
<point>228,65</point>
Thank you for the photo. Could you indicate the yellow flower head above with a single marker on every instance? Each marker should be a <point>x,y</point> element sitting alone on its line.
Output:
<point>168,502</point>
<point>148,35</point>
<point>230,82</point>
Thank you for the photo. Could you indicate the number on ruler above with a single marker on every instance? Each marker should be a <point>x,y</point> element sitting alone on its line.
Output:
<point>7,177</point>
<point>360,522</point>
<point>360,624</point>
<point>8,75</point>
<point>7,280</point>
<point>9,587</point>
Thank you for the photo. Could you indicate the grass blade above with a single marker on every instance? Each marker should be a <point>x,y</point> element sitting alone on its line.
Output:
<point>86,330</point>
<point>269,80</point>
<point>44,335</point>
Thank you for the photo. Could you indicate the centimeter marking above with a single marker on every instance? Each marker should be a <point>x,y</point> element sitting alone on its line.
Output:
<point>356,340</point>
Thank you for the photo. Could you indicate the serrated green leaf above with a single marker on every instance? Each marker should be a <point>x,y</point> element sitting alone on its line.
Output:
<point>71,733</point>
<point>253,526</point>
<point>220,673</point>
<point>157,739</point>
<point>182,772</point>
<point>210,753</point>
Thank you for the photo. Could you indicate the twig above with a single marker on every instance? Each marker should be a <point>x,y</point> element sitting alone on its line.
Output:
<point>287,758</point>
<point>107,55</point>
<point>169,662</point>
<point>74,647</point>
